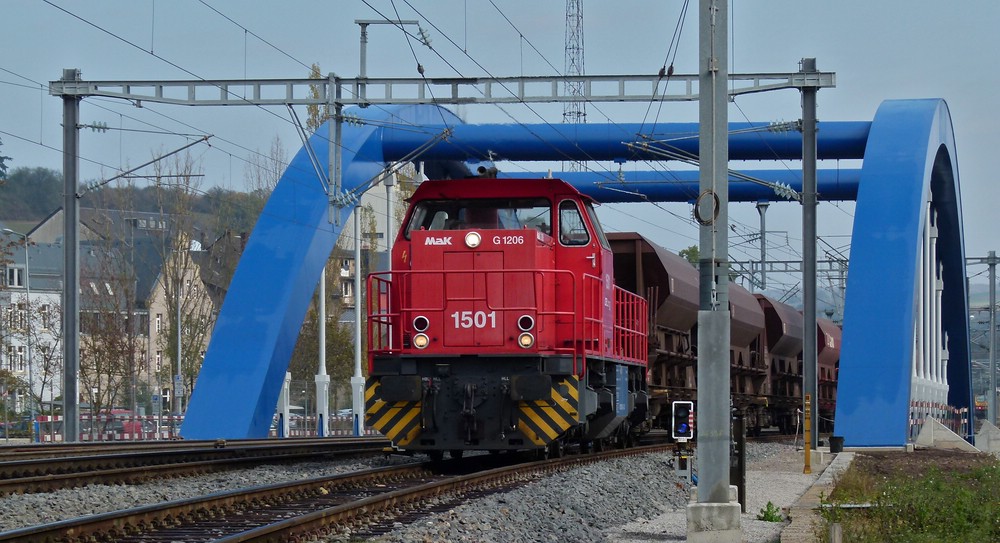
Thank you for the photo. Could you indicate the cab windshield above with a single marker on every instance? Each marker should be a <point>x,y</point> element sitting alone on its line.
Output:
<point>487,214</point>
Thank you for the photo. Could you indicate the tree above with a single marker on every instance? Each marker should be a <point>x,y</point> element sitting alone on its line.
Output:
<point>3,164</point>
<point>9,384</point>
<point>30,193</point>
<point>263,173</point>
<point>316,114</point>
<point>107,344</point>
<point>339,342</point>
<point>189,311</point>
<point>691,254</point>
<point>47,360</point>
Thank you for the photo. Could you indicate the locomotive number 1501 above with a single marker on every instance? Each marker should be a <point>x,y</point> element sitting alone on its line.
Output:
<point>475,319</point>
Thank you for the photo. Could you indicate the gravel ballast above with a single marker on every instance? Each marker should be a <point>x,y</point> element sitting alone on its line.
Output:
<point>620,501</point>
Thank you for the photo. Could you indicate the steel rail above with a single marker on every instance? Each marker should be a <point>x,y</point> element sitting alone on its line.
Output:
<point>43,475</point>
<point>302,508</point>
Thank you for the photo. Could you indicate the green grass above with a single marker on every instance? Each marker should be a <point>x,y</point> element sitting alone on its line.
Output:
<point>933,507</point>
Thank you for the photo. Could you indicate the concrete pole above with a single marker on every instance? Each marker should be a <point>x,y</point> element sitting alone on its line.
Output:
<point>712,211</point>
<point>809,356</point>
<point>991,396</point>
<point>762,210</point>
<point>713,518</point>
<point>71,263</point>
<point>322,379</point>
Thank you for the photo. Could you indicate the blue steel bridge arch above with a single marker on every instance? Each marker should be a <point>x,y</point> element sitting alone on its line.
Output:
<point>908,152</point>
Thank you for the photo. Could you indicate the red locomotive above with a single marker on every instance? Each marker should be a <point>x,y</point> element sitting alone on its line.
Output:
<point>508,320</point>
<point>500,327</point>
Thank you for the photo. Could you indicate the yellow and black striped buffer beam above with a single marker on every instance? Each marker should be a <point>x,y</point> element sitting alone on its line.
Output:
<point>541,421</point>
<point>398,421</point>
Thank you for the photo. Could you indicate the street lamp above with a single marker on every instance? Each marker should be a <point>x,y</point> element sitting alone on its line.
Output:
<point>27,294</point>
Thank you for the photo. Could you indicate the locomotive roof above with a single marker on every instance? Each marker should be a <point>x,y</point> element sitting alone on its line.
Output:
<point>491,187</point>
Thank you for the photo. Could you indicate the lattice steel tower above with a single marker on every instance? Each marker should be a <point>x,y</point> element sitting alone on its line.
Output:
<point>575,111</point>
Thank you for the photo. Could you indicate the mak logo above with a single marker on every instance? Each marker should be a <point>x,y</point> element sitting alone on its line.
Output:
<point>445,240</point>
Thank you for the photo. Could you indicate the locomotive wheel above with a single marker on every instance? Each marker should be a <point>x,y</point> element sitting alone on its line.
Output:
<point>436,456</point>
<point>598,445</point>
<point>456,453</point>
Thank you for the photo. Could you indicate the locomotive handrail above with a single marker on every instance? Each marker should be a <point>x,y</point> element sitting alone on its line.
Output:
<point>631,341</point>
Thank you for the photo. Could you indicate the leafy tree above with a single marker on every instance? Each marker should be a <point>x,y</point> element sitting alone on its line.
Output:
<point>9,383</point>
<point>691,254</point>
<point>3,164</point>
<point>263,174</point>
<point>30,193</point>
<point>316,113</point>
<point>179,282</point>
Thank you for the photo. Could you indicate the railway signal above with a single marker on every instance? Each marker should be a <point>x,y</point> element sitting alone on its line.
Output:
<point>683,420</point>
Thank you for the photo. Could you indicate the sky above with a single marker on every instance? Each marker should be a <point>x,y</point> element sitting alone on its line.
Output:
<point>889,49</point>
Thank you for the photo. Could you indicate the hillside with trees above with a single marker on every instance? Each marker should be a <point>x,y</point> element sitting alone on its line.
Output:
<point>32,194</point>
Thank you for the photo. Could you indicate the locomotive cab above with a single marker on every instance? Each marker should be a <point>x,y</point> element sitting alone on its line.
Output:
<point>499,325</point>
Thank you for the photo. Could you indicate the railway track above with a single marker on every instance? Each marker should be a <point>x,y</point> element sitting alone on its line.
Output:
<point>134,465</point>
<point>359,502</point>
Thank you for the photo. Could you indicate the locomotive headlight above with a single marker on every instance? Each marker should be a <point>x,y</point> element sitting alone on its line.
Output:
<point>525,323</point>
<point>420,341</point>
<point>526,340</point>
<point>473,239</point>
<point>420,323</point>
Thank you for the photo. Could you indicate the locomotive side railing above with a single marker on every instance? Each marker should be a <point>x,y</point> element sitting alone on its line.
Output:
<point>631,327</point>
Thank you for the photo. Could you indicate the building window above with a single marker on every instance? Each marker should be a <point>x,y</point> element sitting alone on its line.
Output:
<point>159,361</point>
<point>21,317</point>
<point>20,358</point>
<point>15,277</point>
<point>10,358</point>
<point>93,287</point>
<point>46,316</point>
<point>346,288</point>
<point>159,322</point>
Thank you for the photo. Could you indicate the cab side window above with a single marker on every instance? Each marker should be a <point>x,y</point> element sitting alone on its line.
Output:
<point>572,229</point>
